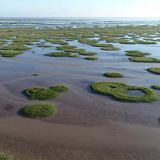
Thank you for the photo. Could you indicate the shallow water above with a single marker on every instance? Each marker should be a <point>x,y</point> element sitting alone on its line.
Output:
<point>88,125</point>
<point>135,93</point>
<point>80,105</point>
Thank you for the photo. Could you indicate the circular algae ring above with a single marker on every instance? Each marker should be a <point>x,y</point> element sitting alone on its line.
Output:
<point>119,92</point>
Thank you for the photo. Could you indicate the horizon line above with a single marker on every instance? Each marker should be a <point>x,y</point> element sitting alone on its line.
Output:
<point>75,17</point>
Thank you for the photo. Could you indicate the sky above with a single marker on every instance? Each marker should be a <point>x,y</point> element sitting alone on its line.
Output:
<point>79,8</point>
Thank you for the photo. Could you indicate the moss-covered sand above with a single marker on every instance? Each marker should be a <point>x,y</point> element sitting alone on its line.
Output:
<point>87,53</point>
<point>119,92</point>
<point>156,87</point>
<point>39,110</point>
<point>144,42</point>
<point>20,38</point>
<point>154,70</point>
<point>144,59</point>
<point>66,47</point>
<point>57,41</point>
<point>45,93</point>
<point>10,53</point>
<point>126,41</point>
<point>74,49</point>
<point>62,54</point>
<point>113,75</point>
<point>6,157</point>
<point>135,53</point>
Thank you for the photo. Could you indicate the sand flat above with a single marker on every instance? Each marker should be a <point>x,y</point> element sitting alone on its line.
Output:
<point>88,126</point>
<point>113,140</point>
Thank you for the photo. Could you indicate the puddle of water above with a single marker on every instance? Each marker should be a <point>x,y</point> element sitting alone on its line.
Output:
<point>135,93</point>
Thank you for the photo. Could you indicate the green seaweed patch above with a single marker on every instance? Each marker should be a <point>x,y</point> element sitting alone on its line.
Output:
<point>66,47</point>
<point>144,59</point>
<point>54,41</point>
<point>81,51</point>
<point>106,47</point>
<point>136,53</point>
<point>125,41</point>
<point>154,70</point>
<point>113,75</point>
<point>87,41</point>
<point>87,53</point>
<point>110,48</point>
<point>93,58</point>
<point>60,89</point>
<point>39,110</point>
<point>119,92</point>
<point>102,45</point>
<point>10,53</point>
<point>6,157</point>
<point>45,93</point>
<point>109,39</point>
<point>16,46</point>
<point>156,87</point>
<point>145,42</point>
<point>74,50</point>
<point>62,54</point>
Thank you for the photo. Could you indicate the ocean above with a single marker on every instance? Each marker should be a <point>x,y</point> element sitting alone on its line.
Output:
<point>75,22</point>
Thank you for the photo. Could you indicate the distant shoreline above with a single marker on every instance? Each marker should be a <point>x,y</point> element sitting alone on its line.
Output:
<point>75,22</point>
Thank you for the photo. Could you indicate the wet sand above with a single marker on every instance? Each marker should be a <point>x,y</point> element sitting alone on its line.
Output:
<point>116,141</point>
<point>88,126</point>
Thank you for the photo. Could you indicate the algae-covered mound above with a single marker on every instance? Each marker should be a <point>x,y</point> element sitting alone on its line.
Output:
<point>144,59</point>
<point>144,42</point>
<point>113,75</point>
<point>62,54</point>
<point>39,110</point>
<point>45,93</point>
<point>66,47</point>
<point>6,157</point>
<point>120,91</point>
<point>154,70</point>
<point>57,41</point>
<point>136,53</point>
<point>156,87</point>
<point>126,41</point>
<point>87,53</point>
<point>92,58</point>
<point>10,53</point>
<point>74,49</point>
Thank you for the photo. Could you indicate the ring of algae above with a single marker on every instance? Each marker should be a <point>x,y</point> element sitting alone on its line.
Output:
<point>119,92</point>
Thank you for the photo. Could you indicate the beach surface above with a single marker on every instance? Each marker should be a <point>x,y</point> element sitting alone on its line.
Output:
<point>88,126</point>
<point>35,139</point>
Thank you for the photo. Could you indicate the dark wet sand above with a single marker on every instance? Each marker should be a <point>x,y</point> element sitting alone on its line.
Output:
<point>88,126</point>
<point>116,141</point>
